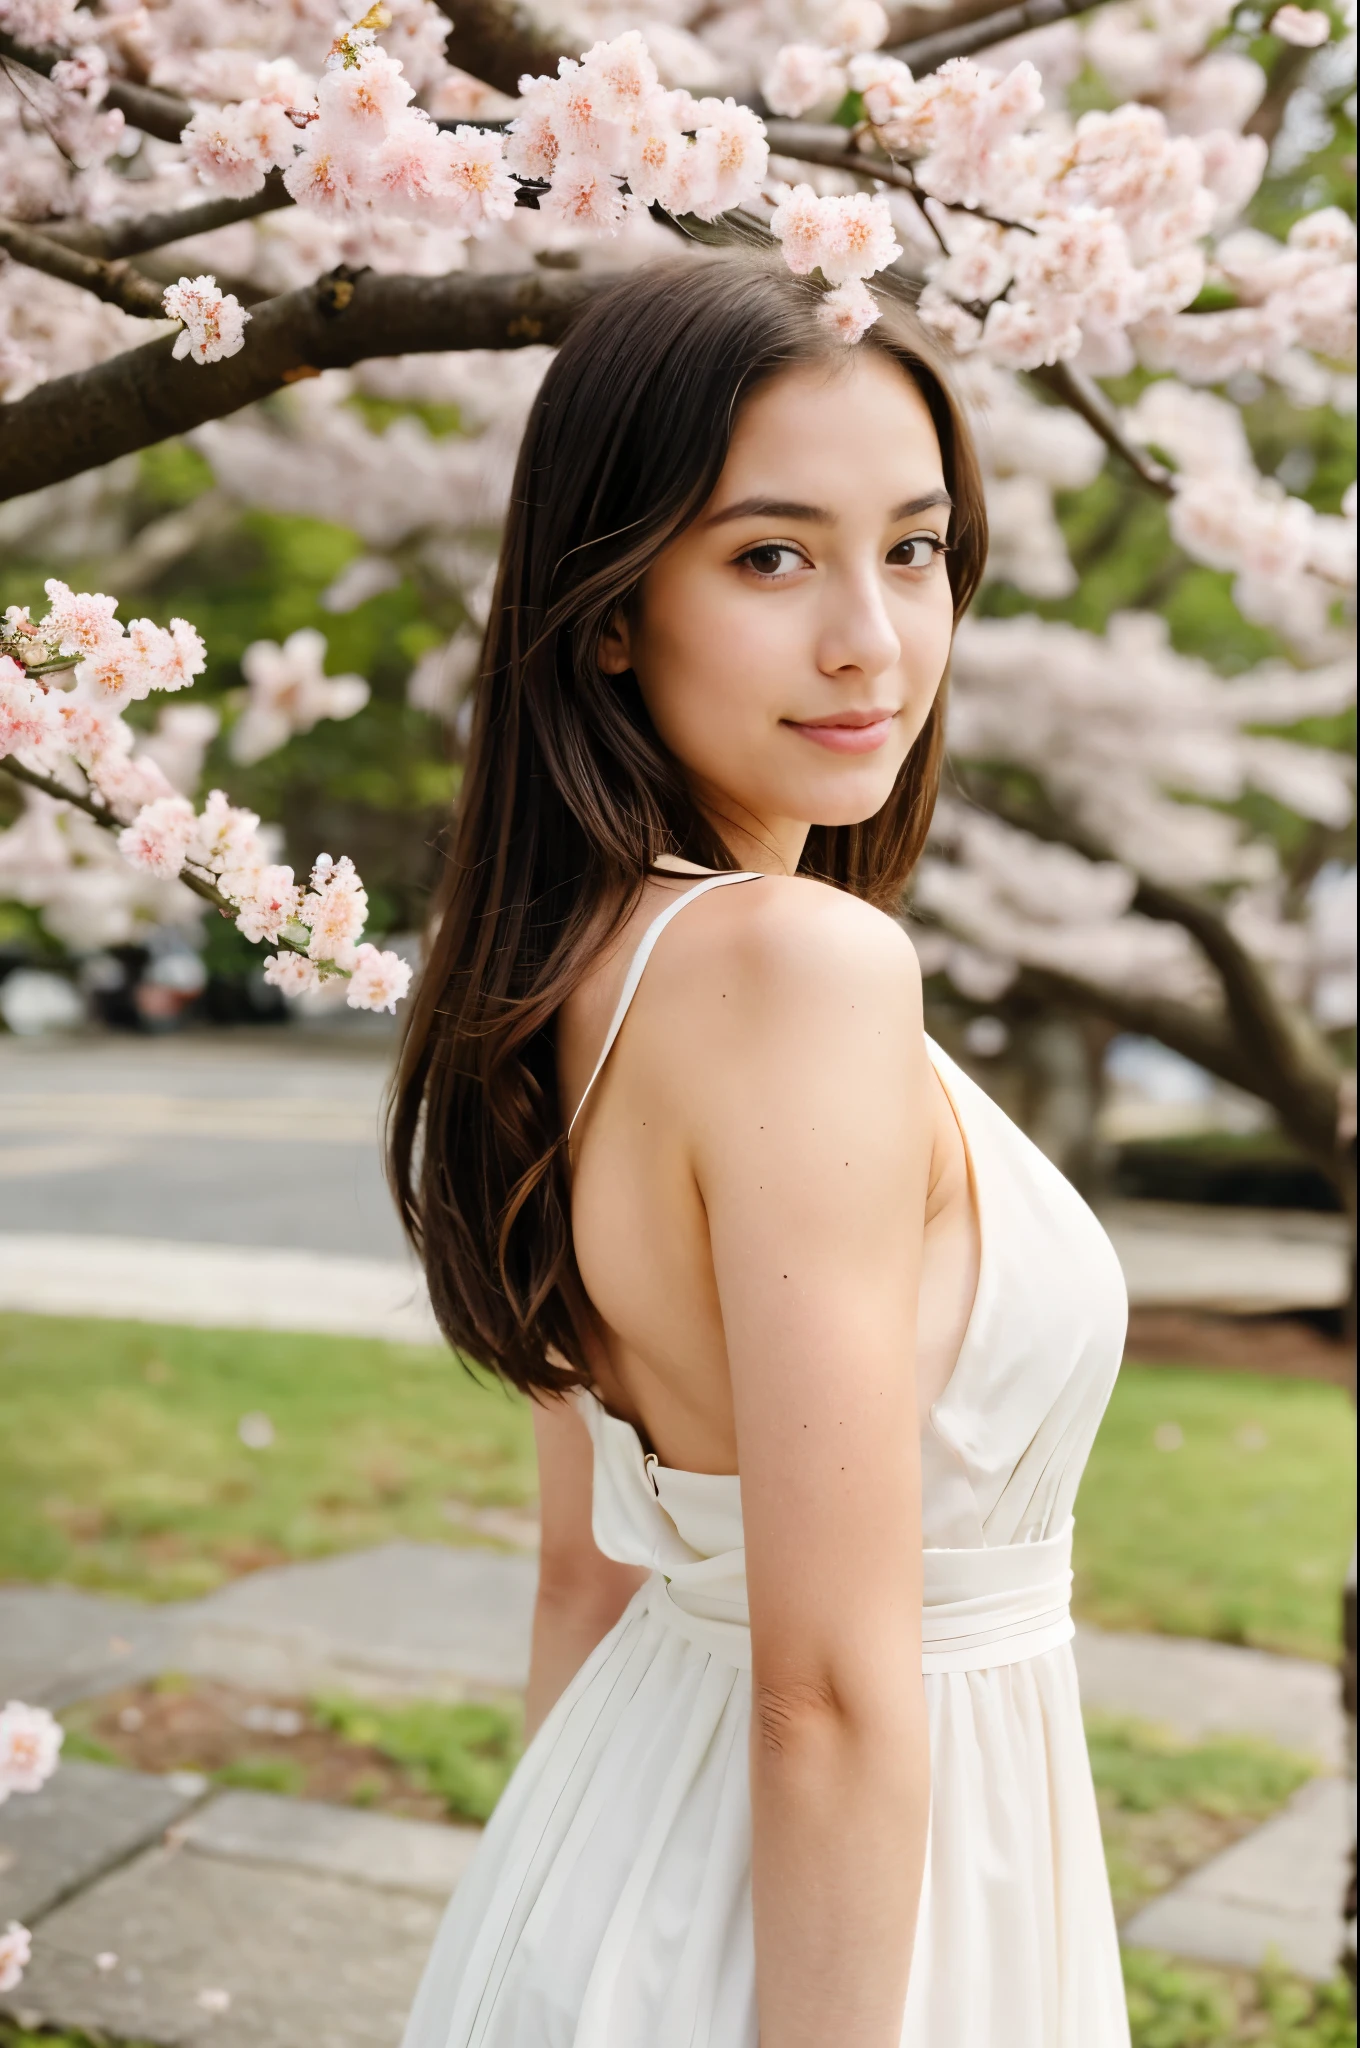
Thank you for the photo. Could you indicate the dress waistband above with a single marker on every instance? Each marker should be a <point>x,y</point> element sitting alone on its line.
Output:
<point>982,1607</point>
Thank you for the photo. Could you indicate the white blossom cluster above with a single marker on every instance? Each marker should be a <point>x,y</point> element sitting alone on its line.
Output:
<point>1138,750</point>
<point>1105,228</point>
<point>30,1748</point>
<point>64,681</point>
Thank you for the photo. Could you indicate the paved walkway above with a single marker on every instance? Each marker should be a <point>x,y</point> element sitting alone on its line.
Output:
<point>1173,1259</point>
<point>314,1920</point>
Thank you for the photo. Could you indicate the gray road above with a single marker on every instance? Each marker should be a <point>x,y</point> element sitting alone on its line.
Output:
<point>251,1137</point>
<point>269,1138</point>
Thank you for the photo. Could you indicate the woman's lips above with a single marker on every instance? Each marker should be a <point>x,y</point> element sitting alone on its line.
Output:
<point>847,732</point>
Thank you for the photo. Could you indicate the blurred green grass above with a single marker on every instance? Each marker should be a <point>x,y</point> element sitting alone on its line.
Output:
<point>1219,1504</point>
<point>121,1469</point>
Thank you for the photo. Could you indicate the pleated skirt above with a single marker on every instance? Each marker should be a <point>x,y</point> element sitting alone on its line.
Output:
<point>609,1903</point>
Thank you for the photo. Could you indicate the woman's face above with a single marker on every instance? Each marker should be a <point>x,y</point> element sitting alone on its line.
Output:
<point>789,644</point>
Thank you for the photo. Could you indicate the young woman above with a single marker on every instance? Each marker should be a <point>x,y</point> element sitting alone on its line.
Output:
<point>818,1342</point>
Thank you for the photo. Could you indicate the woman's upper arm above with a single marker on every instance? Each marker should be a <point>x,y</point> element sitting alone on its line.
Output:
<point>812,1154</point>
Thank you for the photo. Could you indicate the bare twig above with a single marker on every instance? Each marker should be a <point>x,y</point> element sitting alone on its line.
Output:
<point>199,884</point>
<point>162,114</point>
<point>961,39</point>
<point>74,423</point>
<point>133,234</point>
<point>116,283</point>
<point>1082,395</point>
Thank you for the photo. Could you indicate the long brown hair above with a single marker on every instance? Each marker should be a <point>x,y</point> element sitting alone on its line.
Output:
<point>568,795</point>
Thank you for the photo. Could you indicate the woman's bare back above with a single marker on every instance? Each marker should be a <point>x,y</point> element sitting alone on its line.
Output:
<point>641,1234</point>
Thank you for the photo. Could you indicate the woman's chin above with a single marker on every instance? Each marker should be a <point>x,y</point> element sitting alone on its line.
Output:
<point>852,796</point>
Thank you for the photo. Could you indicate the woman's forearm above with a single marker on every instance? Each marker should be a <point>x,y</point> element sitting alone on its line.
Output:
<point>840,1808</point>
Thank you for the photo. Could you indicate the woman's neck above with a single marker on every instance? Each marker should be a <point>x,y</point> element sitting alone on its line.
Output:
<point>763,846</point>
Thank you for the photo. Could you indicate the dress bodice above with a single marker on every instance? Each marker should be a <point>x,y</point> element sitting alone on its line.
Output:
<point>1003,1447</point>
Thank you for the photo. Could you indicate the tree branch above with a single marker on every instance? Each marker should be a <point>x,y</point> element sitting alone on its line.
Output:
<point>998,25</point>
<point>162,114</point>
<point>1194,1034</point>
<point>1264,1044</point>
<point>116,283</point>
<point>498,41</point>
<point>133,234</point>
<point>1084,396</point>
<point>199,884</point>
<point>814,142</point>
<point>133,400</point>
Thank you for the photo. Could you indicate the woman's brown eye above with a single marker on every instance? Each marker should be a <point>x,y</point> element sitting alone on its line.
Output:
<point>917,553</point>
<point>771,559</point>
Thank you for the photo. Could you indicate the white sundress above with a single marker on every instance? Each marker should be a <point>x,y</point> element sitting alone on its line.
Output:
<point>608,1904</point>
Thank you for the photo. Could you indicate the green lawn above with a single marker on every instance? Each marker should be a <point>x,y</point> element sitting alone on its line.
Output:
<point>121,1467</point>
<point>1219,1504</point>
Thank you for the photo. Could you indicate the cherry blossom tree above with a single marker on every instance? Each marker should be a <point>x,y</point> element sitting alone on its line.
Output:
<point>412,206</point>
<point>295,237</point>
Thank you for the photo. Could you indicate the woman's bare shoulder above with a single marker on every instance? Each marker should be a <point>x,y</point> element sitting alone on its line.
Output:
<point>788,937</point>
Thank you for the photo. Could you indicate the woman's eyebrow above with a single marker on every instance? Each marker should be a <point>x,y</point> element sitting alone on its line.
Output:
<point>922,504</point>
<point>785,508</point>
<point>771,508</point>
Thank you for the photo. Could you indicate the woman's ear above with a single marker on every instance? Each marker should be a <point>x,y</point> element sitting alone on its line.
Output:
<point>616,646</point>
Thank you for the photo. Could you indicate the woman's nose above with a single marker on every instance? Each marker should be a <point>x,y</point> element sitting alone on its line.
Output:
<point>857,634</point>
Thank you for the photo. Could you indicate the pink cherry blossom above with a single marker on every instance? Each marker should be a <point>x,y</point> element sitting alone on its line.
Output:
<point>802,76</point>
<point>887,87</point>
<point>79,623</point>
<point>290,692</point>
<point>584,195</point>
<point>291,972</point>
<point>622,75</point>
<point>232,147</point>
<point>849,311</point>
<point>362,89</point>
<point>170,657</point>
<point>378,981</point>
<point>1022,337</point>
<point>158,838</point>
<point>327,176</point>
<point>960,328</point>
<point>16,1947</point>
<point>30,1745</point>
<point>801,224</point>
<point>733,153</point>
<point>127,783</point>
<point>862,239</point>
<point>214,321</point>
<point>856,25</point>
<point>1226,524</point>
<point>275,902</point>
<point>531,146</point>
<point>656,165</point>
<point>28,723</point>
<point>224,836</point>
<point>334,909</point>
<point>1329,232</point>
<point>474,175</point>
<point>1306,27</point>
<point>582,105</point>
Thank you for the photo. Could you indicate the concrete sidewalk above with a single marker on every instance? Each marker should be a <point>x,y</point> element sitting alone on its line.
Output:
<point>1169,1259</point>
<point>314,1921</point>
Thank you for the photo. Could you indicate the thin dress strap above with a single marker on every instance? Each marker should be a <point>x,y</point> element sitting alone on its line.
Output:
<point>636,965</point>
